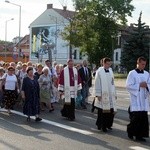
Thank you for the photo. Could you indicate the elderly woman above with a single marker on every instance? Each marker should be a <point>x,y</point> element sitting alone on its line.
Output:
<point>30,94</point>
<point>39,71</point>
<point>45,89</point>
<point>10,86</point>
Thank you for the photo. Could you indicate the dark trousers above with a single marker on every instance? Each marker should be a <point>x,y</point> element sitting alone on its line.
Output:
<point>138,125</point>
<point>69,110</point>
<point>85,93</point>
<point>105,120</point>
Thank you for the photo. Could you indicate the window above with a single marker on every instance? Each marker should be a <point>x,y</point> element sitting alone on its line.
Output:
<point>80,55</point>
<point>116,57</point>
<point>75,54</point>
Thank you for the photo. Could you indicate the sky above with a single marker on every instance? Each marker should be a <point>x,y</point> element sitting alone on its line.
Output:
<point>31,9</point>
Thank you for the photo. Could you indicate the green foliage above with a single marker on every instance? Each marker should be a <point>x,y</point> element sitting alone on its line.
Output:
<point>120,76</point>
<point>3,42</point>
<point>95,24</point>
<point>136,46</point>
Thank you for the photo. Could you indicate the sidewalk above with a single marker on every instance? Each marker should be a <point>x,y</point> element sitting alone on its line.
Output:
<point>120,83</point>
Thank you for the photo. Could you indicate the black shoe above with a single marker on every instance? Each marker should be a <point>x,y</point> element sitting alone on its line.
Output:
<point>52,105</point>
<point>84,107</point>
<point>28,119</point>
<point>92,109</point>
<point>109,128</point>
<point>130,136</point>
<point>104,129</point>
<point>71,119</point>
<point>51,110</point>
<point>38,119</point>
<point>140,139</point>
<point>99,128</point>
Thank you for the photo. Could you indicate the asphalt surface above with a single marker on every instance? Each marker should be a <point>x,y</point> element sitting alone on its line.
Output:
<point>57,133</point>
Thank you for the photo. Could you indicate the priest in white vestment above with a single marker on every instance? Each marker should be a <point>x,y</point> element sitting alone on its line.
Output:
<point>69,84</point>
<point>105,96</point>
<point>138,86</point>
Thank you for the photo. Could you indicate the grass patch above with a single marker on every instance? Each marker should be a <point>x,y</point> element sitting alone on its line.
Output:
<point>120,76</point>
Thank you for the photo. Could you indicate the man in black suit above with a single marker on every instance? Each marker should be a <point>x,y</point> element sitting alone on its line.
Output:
<point>85,74</point>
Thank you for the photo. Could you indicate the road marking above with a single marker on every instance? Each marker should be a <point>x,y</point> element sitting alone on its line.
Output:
<point>122,107</point>
<point>137,148</point>
<point>89,117</point>
<point>85,132</point>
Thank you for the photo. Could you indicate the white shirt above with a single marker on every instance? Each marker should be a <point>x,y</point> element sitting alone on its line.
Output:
<point>86,70</point>
<point>11,81</point>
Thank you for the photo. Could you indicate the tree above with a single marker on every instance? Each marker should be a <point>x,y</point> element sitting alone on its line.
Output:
<point>137,45</point>
<point>95,23</point>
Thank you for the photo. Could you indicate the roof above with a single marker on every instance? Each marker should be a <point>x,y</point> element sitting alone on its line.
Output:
<point>2,46</point>
<point>9,47</point>
<point>67,14</point>
<point>25,40</point>
<point>51,15</point>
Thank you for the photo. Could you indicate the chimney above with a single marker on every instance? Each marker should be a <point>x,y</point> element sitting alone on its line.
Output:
<point>64,8</point>
<point>49,6</point>
<point>147,27</point>
<point>131,24</point>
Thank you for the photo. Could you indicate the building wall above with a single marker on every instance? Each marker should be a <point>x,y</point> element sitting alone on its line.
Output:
<point>11,57</point>
<point>47,28</point>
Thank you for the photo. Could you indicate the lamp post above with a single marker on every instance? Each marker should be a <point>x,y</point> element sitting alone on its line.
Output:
<point>70,34</point>
<point>19,24</point>
<point>6,35</point>
<point>149,56</point>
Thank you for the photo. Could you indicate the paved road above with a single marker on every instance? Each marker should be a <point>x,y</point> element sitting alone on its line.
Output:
<point>57,133</point>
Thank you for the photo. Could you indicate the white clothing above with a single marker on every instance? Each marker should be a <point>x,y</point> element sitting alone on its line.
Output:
<point>10,82</point>
<point>139,97</point>
<point>70,91</point>
<point>67,86</point>
<point>105,88</point>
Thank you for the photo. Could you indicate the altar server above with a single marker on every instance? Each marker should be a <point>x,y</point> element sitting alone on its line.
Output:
<point>105,96</point>
<point>138,86</point>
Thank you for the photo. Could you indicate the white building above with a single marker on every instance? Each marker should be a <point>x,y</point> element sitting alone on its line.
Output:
<point>47,29</point>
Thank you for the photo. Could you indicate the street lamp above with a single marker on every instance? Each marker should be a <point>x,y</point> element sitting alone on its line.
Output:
<point>149,56</point>
<point>70,34</point>
<point>6,35</point>
<point>19,24</point>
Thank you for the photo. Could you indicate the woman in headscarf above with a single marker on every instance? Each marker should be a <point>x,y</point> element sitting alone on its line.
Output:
<point>45,83</point>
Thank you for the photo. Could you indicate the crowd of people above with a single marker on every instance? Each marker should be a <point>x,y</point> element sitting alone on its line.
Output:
<point>36,86</point>
<point>39,86</point>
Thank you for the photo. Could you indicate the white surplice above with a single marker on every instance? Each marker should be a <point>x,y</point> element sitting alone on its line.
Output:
<point>104,87</point>
<point>139,97</point>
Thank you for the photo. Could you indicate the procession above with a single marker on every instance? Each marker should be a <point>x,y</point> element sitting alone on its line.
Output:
<point>74,74</point>
<point>37,88</point>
